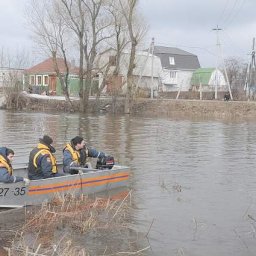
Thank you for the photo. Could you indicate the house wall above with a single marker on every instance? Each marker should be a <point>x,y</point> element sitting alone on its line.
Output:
<point>146,82</point>
<point>143,67</point>
<point>184,79</point>
<point>181,82</point>
<point>73,87</point>
<point>170,87</point>
<point>169,77</point>
<point>217,78</point>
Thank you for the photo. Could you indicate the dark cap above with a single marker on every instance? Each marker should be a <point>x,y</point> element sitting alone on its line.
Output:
<point>47,140</point>
<point>9,151</point>
<point>6,151</point>
<point>77,140</point>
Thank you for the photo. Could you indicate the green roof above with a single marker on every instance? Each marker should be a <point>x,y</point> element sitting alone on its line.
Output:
<point>202,75</point>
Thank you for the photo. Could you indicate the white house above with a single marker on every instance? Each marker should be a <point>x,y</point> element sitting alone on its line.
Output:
<point>177,68</point>
<point>147,66</point>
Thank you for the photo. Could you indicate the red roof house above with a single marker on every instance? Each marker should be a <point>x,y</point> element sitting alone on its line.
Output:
<point>43,74</point>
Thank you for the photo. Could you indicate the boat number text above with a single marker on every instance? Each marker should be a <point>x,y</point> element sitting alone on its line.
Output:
<point>16,192</point>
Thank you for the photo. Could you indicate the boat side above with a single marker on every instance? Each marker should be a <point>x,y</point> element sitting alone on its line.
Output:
<point>91,181</point>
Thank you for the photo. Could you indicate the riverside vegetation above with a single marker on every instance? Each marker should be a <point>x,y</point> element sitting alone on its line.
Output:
<point>79,226</point>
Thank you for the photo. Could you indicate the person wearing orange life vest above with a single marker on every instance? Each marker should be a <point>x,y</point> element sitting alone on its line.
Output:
<point>6,170</point>
<point>75,154</point>
<point>42,163</point>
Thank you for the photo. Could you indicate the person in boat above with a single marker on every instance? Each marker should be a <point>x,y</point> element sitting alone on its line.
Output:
<point>76,153</point>
<point>42,163</point>
<point>6,170</point>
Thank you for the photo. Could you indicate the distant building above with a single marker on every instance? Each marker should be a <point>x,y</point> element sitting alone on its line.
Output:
<point>42,77</point>
<point>177,68</point>
<point>208,78</point>
<point>11,76</point>
<point>142,72</point>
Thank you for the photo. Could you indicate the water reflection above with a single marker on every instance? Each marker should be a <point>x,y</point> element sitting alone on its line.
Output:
<point>194,179</point>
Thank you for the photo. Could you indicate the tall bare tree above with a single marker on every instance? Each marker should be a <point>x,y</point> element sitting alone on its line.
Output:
<point>96,35</point>
<point>110,69</point>
<point>74,15</point>
<point>94,23</point>
<point>50,33</point>
<point>136,32</point>
<point>89,20</point>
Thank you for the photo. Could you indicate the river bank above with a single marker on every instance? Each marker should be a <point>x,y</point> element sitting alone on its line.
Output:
<point>144,106</point>
<point>197,108</point>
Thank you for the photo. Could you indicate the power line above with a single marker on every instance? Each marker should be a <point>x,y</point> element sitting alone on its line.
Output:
<point>235,14</point>
<point>232,13</point>
<point>223,11</point>
<point>233,42</point>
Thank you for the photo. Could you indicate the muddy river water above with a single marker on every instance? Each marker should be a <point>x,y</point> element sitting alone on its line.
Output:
<point>193,183</point>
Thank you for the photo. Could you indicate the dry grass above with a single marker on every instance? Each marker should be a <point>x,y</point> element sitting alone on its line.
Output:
<point>79,226</point>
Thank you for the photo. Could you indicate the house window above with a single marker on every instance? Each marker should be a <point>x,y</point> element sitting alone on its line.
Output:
<point>39,80</point>
<point>173,74</point>
<point>32,80</point>
<point>171,61</point>
<point>112,60</point>
<point>45,80</point>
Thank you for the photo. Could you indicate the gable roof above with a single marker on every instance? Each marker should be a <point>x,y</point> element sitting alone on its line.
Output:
<point>47,67</point>
<point>202,75</point>
<point>170,50</point>
<point>183,60</point>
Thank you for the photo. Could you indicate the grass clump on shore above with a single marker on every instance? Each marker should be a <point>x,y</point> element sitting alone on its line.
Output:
<point>79,226</point>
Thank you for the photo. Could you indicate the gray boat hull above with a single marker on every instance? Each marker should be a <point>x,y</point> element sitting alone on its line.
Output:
<point>90,182</point>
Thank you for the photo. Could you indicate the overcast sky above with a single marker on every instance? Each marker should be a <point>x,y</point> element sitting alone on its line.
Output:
<point>185,24</point>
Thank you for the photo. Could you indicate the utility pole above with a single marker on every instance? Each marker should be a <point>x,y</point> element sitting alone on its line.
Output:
<point>217,61</point>
<point>220,55</point>
<point>152,68</point>
<point>250,74</point>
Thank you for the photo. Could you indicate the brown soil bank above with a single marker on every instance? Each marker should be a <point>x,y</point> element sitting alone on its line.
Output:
<point>197,108</point>
<point>147,107</point>
<point>23,101</point>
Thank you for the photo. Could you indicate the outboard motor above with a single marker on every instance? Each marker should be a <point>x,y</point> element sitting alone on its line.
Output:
<point>105,162</point>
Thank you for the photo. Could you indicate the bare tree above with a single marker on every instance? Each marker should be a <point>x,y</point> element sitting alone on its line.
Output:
<point>95,23</point>
<point>74,16</point>
<point>51,33</point>
<point>110,69</point>
<point>12,64</point>
<point>235,71</point>
<point>136,32</point>
<point>96,35</point>
<point>89,20</point>
<point>15,59</point>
